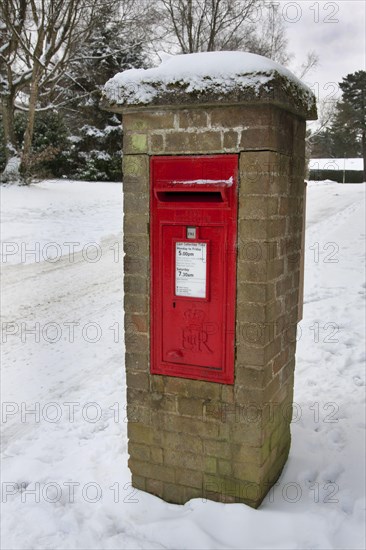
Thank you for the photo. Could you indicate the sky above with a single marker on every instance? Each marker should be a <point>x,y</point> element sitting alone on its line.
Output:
<point>335,31</point>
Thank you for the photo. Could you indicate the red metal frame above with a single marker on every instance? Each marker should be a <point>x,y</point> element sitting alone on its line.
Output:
<point>198,191</point>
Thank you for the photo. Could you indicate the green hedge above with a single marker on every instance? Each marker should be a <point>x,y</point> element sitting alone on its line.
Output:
<point>352,176</point>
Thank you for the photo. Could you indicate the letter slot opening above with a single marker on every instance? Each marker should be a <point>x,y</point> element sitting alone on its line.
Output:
<point>191,196</point>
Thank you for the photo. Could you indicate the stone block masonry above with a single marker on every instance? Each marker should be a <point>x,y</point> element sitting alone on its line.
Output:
<point>190,438</point>
<point>203,131</point>
<point>194,438</point>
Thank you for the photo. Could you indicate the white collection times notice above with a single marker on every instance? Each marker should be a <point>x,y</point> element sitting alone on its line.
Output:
<point>190,269</point>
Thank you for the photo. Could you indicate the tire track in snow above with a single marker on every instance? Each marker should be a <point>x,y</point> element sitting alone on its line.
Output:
<point>322,227</point>
<point>78,292</point>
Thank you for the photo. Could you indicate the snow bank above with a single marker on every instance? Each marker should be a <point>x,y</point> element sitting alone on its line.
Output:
<point>11,171</point>
<point>201,73</point>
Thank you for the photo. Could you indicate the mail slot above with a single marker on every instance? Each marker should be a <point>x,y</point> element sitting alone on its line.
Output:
<point>193,266</point>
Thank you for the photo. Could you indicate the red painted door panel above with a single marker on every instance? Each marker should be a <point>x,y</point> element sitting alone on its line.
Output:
<point>193,238</point>
<point>192,326</point>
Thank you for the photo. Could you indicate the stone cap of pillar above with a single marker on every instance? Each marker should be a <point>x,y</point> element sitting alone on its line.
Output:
<point>208,79</point>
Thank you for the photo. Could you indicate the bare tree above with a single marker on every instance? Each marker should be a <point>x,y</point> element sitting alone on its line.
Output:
<point>210,25</point>
<point>269,38</point>
<point>310,63</point>
<point>207,25</point>
<point>326,114</point>
<point>12,23</point>
<point>39,41</point>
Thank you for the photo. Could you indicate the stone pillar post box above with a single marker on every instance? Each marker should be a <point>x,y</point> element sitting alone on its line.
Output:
<point>213,174</point>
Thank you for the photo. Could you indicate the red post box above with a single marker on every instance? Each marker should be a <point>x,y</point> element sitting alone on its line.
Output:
<point>193,266</point>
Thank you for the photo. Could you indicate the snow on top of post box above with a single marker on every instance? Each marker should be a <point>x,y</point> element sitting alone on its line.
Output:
<point>209,76</point>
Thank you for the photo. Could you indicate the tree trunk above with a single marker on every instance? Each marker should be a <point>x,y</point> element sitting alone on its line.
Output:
<point>7,108</point>
<point>28,134</point>
<point>363,141</point>
<point>10,173</point>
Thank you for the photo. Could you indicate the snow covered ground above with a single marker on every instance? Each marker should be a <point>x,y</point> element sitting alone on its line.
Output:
<point>51,219</point>
<point>65,481</point>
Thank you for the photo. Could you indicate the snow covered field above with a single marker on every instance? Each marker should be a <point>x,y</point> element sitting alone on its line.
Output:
<point>65,481</point>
